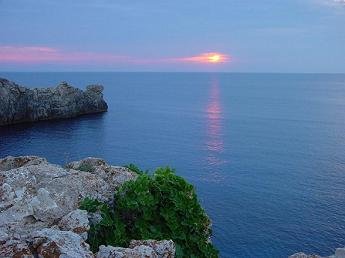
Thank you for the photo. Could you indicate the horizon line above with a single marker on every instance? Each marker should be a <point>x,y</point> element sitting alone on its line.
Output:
<point>229,72</point>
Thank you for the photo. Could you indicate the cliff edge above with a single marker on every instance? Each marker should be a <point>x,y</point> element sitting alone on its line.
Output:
<point>40,215</point>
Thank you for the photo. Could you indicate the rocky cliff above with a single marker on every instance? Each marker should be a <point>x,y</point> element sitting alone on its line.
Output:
<point>19,104</point>
<point>339,253</point>
<point>39,215</point>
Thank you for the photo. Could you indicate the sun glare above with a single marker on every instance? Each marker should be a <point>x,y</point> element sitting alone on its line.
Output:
<point>208,58</point>
<point>214,58</point>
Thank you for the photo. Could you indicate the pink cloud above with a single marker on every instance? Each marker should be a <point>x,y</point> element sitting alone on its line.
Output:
<point>42,54</point>
<point>206,58</point>
<point>47,55</point>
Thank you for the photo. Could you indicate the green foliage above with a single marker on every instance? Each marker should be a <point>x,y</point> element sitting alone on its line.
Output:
<point>109,231</point>
<point>135,169</point>
<point>86,168</point>
<point>161,206</point>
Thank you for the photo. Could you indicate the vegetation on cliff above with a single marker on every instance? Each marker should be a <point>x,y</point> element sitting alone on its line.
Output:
<point>158,206</point>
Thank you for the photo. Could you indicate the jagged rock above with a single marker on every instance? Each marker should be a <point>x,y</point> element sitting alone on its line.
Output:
<point>76,221</point>
<point>38,194</point>
<point>96,88</point>
<point>120,252</point>
<point>94,217</point>
<point>140,249</point>
<point>16,162</point>
<point>303,255</point>
<point>339,253</point>
<point>114,175</point>
<point>55,243</point>
<point>163,249</point>
<point>15,248</point>
<point>19,104</point>
<point>44,206</point>
<point>39,215</point>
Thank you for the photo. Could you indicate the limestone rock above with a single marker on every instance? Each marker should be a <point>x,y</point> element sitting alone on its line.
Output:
<point>96,88</point>
<point>36,194</point>
<point>19,104</point>
<point>303,255</point>
<point>76,221</point>
<point>339,253</point>
<point>15,248</point>
<point>140,249</point>
<point>163,249</point>
<point>39,215</point>
<point>16,162</point>
<point>55,243</point>
<point>114,175</point>
<point>120,252</point>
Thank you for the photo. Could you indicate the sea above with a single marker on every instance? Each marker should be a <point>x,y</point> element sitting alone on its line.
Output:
<point>265,152</point>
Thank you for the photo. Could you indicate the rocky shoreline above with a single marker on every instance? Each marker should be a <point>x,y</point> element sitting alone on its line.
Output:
<point>19,104</point>
<point>339,253</point>
<point>39,215</point>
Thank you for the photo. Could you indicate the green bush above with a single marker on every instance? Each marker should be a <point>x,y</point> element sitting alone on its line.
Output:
<point>110,230</point>
<point>161,206</point>
<point>135,169</point>
<point>86,168</point>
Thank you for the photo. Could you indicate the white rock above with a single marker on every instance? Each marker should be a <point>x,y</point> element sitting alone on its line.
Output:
<point>163,248</point>
<point>44,207</point>
<point>55,243</point>
<point>303,255</point>
<point>120,252</point>
<point>114,175</point>
<point>15,248</point>
<point>340,253</point>
<point>76,221</point>
<point>39,197</point>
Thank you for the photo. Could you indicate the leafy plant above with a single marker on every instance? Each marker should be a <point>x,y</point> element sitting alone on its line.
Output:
<point>86,168</point>
<point>161,206</point>
<point>109,231</point>
<point>135,169</point>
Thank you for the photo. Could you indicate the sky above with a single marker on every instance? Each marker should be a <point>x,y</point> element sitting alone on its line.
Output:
<point>160,35</point>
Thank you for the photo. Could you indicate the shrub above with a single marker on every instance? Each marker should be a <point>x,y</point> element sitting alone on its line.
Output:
<point>135,169</point>
<point>86,168</point>
<point>109,231</point>
<point>161,206</point>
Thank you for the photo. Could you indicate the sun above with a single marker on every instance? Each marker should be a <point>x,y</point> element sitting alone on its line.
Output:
<point>207,58</point>
<point>214,58</point>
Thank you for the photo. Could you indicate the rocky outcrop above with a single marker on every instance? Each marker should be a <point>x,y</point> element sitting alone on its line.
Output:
<point>114,175</point>
<point>39,215</point>
<point>140,249</point>
<point>339,253</point>
<point>19,104</point>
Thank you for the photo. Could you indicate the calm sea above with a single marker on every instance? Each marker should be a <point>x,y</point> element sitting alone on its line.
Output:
<point>266,152</point>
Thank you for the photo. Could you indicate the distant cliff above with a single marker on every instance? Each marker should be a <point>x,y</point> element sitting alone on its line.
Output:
<point>19,104</point>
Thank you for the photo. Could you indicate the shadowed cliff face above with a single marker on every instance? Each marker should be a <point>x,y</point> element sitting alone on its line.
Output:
<point>19,104</point>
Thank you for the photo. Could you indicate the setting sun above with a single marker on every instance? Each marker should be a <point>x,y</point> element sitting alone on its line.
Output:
<point>207,58</point>
<point>214,58</point>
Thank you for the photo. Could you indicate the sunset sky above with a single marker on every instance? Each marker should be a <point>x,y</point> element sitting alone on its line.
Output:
<point>179,35</point>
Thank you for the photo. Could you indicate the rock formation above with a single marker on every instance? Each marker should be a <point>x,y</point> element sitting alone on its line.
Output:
<point>39,215</point>
<point>19,104</point>
<point>339,253</point>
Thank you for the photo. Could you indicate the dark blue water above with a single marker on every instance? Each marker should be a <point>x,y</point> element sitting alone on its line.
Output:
<point>266,152</point>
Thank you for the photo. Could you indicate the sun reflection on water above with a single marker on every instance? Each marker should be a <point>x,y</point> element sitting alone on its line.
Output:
<point>214,123</point>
